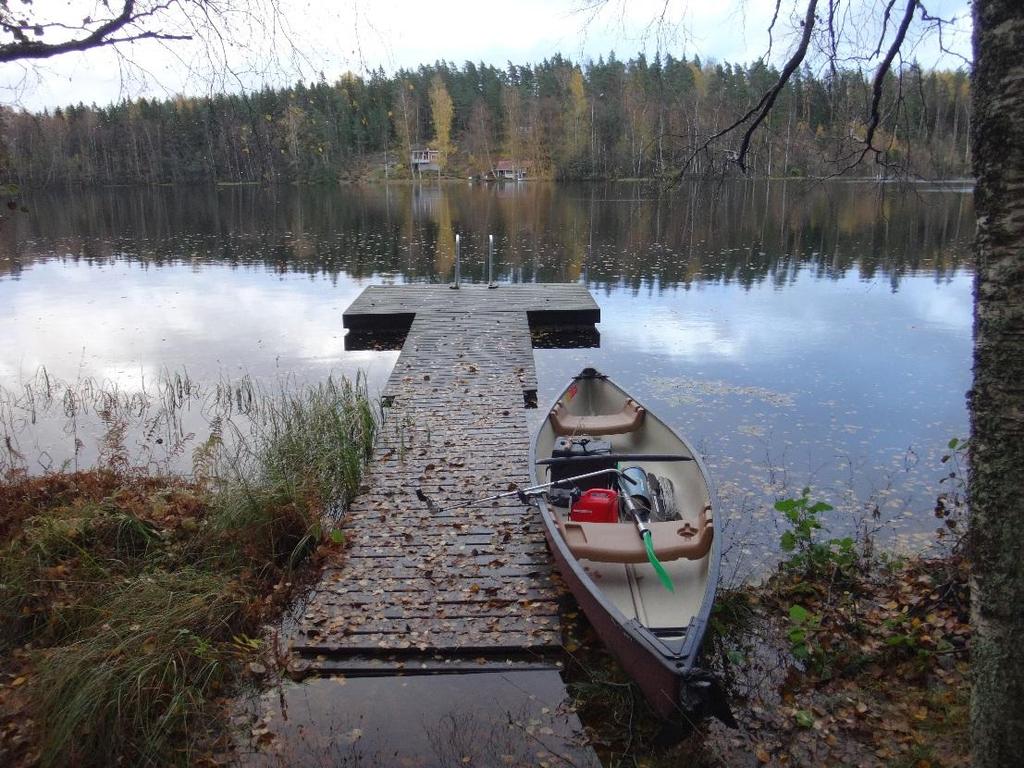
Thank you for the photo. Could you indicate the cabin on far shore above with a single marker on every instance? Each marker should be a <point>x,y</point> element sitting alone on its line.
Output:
<point>421,160</point>
<point>506,170</point>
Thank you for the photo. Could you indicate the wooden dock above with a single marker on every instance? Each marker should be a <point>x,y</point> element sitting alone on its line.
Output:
<point>460,588</point>
<point>380,306</point>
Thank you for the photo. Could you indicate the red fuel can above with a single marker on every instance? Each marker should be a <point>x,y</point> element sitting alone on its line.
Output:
<point>596,505</point>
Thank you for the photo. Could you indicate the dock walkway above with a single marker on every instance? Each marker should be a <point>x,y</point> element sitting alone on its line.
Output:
<point>459,588</point>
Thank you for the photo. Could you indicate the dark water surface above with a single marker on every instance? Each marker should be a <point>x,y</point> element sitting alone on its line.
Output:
<point>799,334</point>
<point>418,721</point>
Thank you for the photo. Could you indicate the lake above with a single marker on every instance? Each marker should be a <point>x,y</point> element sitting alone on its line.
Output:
<point>801,334</point>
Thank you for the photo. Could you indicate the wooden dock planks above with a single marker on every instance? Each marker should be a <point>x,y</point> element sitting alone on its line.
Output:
<point>379,306</point>
<point>460,580</point>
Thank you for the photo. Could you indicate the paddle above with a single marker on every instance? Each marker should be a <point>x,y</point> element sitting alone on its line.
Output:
<point>616,457</point>
<point>641,517</point>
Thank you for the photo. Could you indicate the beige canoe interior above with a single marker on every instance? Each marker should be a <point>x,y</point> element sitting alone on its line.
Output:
<point>634,588</point>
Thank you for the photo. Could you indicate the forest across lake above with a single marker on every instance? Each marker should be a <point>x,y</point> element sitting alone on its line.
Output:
<point>601,119</point>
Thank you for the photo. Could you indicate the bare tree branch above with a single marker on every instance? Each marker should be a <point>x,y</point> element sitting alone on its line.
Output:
<point>833,48</point>
<point>104,34</point>
<point>885,27</point>
<point>874,111</point>
<point>939,25</point>
<point>759,112</point>
<point>771,28</point>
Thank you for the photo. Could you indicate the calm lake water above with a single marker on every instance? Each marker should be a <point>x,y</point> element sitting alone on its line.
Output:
<point>800,334</point>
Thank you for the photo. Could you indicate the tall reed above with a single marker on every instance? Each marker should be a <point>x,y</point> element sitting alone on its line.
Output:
<point>136,588</point>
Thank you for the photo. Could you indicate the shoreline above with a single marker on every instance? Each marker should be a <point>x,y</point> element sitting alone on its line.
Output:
<point>860,660</point>
<point>669,183</point>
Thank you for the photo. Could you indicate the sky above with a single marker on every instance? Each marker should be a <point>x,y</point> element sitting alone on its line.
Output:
<point>308,37</point>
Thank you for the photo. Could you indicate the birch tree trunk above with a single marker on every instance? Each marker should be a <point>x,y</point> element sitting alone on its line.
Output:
<point>997,402</point>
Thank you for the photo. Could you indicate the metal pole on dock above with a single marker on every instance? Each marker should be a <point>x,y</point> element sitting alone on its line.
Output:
<point>490,262</point>
<point>458,262</point>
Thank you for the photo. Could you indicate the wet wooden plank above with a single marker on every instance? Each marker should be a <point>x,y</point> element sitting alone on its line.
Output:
<point>381,306</point>
<point>366,580</point>
<point>480,643</point>
<point>409,558</point>
<point>464,617</point>
<point>442,536</point>
<point>350,664</point>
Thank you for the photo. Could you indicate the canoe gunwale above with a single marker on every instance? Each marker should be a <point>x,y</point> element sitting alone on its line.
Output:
<point>668,664</point>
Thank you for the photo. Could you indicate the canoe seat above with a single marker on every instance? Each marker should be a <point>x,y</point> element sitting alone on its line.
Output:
<point>627,420</point>
<point>621,542</point>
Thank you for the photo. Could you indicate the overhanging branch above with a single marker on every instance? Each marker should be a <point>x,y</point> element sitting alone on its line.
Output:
<point>760,111</point>
<point>877,83</point>
<point>107,33</point>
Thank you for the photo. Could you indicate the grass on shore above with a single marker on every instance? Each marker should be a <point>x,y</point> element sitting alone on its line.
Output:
<point>137,599</point>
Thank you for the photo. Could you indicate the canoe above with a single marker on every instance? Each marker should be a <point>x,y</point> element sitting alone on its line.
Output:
<point>656,634</point>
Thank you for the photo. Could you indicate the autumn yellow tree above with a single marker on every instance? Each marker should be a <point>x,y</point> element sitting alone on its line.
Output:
<point>442,112</point>
<point>577,112</point>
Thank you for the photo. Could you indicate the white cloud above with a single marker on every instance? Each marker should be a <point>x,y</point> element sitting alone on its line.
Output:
<point>334,37</point>
<point>693,326</point>
<point>123,323</point>
<point>713,322</point>
<point>937,306</point>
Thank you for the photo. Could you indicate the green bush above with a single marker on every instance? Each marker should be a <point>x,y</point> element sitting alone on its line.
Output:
<point>806,553</point>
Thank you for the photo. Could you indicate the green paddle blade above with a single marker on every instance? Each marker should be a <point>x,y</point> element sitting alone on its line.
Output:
<point>659,569</point>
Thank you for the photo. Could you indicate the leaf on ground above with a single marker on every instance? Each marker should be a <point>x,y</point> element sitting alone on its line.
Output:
<point>804,718</point>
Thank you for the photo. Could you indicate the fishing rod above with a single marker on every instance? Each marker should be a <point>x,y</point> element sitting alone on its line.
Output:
<point>524,494</point>
<point>533,490</point>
